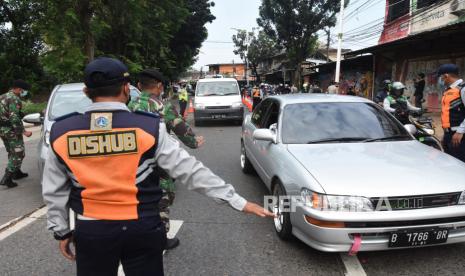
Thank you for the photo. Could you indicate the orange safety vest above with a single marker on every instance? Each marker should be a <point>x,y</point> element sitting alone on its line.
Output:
<point>256,93</point>
<point>92,147</point>
<point>453,109</point>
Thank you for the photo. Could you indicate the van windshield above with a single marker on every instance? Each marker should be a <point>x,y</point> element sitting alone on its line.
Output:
<point>223,88</point>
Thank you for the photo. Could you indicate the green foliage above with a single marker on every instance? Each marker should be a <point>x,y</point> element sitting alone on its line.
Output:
<point>50,41</point>
<point>30,107</point>
<point>294,24</point>
<point>19,44</point>
<point>254,48</point>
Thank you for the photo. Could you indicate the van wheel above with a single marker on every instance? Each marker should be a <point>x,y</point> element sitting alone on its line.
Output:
<point>246,166</point>
<point>282,222</point>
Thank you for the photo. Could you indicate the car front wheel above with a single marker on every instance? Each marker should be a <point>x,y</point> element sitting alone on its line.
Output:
<point>282,221</point>
<point>246,166</point>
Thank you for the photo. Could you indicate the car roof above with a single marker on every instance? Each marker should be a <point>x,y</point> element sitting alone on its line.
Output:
<point>317,98</point>
<point>217,80</point>
<point>74,86</point>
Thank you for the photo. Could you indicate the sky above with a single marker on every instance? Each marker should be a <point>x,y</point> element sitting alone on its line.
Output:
<point>243,14</point>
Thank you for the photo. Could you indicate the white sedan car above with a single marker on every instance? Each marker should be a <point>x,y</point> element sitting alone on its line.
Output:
<point>347,176</point>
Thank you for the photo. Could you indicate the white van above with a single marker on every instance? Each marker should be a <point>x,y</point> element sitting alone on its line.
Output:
<point>218,99</point>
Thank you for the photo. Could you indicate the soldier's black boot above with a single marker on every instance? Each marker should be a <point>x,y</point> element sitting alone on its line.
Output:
<point>7,180</point>
<point>171,243</point>
<point>19,175</point>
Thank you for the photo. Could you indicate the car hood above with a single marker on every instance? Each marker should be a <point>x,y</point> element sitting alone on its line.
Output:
<point>381,169</point>
<point>218,100</point>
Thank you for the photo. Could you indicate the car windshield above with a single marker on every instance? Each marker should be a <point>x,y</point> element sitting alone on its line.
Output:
<point>307,123</point>
<point>69,101</point>
<point>223,88</point>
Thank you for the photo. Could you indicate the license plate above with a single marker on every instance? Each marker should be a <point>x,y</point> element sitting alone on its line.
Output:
<point>418,237</point>
<point>218,116</point>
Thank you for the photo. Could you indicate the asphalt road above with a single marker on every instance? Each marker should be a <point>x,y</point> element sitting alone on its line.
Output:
<point>215,239</point>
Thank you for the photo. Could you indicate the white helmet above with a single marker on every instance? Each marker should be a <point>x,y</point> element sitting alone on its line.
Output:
<point>397,85</point>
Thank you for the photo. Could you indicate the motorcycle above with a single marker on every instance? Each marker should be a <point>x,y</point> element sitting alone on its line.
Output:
<point>425,131</point>
<point>424,125</point>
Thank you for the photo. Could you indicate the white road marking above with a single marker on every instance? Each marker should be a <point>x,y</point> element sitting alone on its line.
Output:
<point>175,226</point>
<point>352,265</point>
<point>17,224</point>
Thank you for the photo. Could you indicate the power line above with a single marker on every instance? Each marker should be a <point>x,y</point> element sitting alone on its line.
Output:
<point>366,33</point>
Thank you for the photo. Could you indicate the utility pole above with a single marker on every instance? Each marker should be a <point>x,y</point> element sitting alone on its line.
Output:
<point>247,60</point>
<point>339,44</point>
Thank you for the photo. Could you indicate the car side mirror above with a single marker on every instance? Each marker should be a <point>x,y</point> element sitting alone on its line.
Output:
<point>411,129</point>
<point>34,118</point>
<point>264,134</point>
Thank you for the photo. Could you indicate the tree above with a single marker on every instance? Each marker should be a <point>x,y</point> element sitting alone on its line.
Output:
<point>241,42</point>
<point>293,24</point>
<point>186,43</point>
<point>57,38</point>
<point>19,44</point>
<point>261,48</point>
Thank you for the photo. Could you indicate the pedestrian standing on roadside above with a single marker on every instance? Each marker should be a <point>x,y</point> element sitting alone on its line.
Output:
<point>102,165</point>
<point>183,99</point>
<point>151,85</point>
<point>453,110</point>
<point>419,88</point>
<point>256,97</point>
<point>333,88</point>
<point>12,131</point>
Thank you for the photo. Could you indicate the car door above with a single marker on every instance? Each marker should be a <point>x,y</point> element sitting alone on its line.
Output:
<point>256,120</point>
<point>264,150</point>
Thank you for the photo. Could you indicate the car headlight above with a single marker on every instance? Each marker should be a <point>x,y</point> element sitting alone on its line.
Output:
<point>462,198</point>
<point>199,106</point>
<point>237,105</point>
<point>325,202</point>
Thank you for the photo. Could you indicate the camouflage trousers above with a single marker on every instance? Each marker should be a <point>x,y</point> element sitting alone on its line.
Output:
<point>14,145</point>
<point>166,201</point>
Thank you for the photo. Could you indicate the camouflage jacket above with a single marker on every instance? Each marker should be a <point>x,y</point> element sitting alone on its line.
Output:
<point>174,122</point>
<point>10,114</point>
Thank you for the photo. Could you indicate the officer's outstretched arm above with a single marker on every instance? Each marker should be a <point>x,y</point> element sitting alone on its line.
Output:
<point>191,172</point>
<point>55,190</point>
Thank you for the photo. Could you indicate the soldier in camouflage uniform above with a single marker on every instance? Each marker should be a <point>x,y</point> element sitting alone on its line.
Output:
<point>12,131</point>
<point>151,85</point>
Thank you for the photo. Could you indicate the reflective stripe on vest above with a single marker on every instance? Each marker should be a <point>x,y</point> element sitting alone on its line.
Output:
<point>453,109</point>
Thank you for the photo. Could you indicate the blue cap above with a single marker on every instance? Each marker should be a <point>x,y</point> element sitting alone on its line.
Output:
<point>448,69</point>
<point>104,71</point>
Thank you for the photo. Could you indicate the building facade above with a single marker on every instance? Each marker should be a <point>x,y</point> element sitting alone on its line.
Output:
<point>230,70</point>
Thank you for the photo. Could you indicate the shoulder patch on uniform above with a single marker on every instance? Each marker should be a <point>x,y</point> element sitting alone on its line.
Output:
<point>149,114</point>
<point>67,116</point>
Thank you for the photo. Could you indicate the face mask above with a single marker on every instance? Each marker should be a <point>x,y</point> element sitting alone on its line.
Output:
<point>24,93</point>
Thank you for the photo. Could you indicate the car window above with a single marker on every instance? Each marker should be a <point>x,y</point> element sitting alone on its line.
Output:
<point>223,88</point>
<point>259,113</point>
<point>309,122</point>
<point>70,101</point>
<point>272,116</point>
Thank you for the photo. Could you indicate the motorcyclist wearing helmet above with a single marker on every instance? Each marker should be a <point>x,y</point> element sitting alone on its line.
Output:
<point>381,95</point>
<point>397,104</point>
